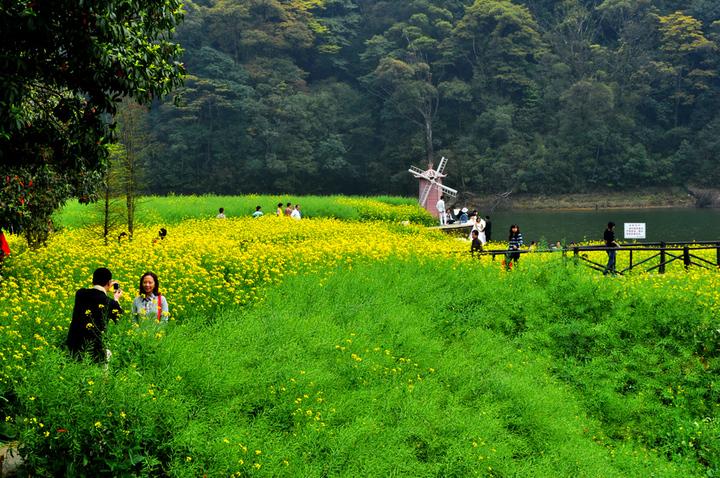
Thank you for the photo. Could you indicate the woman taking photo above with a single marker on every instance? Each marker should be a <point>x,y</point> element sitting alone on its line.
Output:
<point>150,303</point>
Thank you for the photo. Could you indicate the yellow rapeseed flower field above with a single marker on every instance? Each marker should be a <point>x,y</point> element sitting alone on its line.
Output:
<point>201,264</point>
<point>208,264</point>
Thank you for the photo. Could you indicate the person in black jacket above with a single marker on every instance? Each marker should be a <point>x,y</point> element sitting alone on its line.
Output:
<point>93,308</point>
<point>610,243</point>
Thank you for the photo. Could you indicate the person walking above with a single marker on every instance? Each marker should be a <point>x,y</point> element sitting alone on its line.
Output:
<point>258,212</point>
<point>611,244</point>
<point>221,213</point>
<point>440,206</point>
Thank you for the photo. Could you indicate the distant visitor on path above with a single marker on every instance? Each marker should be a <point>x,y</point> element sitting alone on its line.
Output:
<point>515,241</point>
<point>91,313</point>
<point>221,213</point>
<point>295,214</point>
<point>475,244</point>
<point>609,238</point>
<point>440,206</point>
<point>150,304</point>
<point>279,210</point>
<point>478,225</point>
<point>161,235</point>
<point>488,228</point>
<point>258,212</point>
<point>288,209</point>
<point>463,215</point>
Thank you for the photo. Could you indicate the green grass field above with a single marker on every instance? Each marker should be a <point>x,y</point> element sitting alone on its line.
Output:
<point>350,358</point>
<point>174,209</point>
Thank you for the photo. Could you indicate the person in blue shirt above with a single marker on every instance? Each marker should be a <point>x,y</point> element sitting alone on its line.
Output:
<point>258,212</point>
<point>464,216</point>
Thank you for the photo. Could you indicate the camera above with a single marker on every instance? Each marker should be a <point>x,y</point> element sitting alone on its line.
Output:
<point>116,286</point>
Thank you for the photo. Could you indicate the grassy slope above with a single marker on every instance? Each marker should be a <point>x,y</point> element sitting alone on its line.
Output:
<point>173,209</point>
<point>453,375</point>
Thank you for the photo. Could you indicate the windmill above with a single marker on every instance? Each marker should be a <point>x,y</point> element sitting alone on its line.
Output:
<point>431,186</point>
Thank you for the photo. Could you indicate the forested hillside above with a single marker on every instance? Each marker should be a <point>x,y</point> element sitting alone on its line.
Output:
<point>342,96</point>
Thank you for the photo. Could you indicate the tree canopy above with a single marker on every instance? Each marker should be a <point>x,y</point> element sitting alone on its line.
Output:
<point>61,76</point>
<point>341,96</point>
<point>330,96</point>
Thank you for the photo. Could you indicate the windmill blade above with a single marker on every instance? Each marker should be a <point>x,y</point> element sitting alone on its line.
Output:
<point>426,193</point>
<point>441,166</point>
<point>419,173</point>
<point>449,191</point>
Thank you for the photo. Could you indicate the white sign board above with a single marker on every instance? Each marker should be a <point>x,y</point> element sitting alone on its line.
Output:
<point>634,230</point>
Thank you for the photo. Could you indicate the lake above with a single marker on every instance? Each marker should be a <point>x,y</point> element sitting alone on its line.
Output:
<point>661,224</point>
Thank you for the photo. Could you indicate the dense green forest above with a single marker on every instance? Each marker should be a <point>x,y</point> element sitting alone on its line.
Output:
<point>342,96</point>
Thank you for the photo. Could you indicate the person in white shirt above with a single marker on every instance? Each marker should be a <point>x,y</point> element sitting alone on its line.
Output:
<point>478,225</point>
<point>295,214</point>
<point>221,213</point>
<point>258,212</point>
<point>441,210</point>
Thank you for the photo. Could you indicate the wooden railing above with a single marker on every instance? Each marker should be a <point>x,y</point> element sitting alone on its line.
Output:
<point>665,253</point>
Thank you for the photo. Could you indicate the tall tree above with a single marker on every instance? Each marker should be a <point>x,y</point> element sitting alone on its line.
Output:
<point>409,63</point>
<point>688,53</point>
<point>131,158</point>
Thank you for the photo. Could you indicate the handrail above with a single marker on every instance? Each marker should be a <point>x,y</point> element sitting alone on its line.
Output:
<point>667,253</point>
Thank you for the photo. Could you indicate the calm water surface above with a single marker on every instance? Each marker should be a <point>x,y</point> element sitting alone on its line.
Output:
<point>661,224</point>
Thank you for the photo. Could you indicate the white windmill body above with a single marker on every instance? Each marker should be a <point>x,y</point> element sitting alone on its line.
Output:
<point>431,186</point>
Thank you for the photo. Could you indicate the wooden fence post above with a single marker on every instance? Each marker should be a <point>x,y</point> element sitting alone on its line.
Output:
<point>686,257</point>
<point>717,253</point>
<point>661,269</point>
<point>631,260</point>
<point>576,253</point>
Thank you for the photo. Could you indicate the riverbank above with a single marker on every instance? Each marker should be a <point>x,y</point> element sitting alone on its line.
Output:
<point>648,198</point>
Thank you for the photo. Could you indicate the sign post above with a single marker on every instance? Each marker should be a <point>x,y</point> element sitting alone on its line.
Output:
<point>634,230</point>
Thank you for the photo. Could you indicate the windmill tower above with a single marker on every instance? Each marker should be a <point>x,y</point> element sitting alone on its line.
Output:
<point>431,186</point>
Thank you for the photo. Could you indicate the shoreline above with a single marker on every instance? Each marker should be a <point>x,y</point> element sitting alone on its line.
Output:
<point>671,198</point>
<point>607,208</point>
